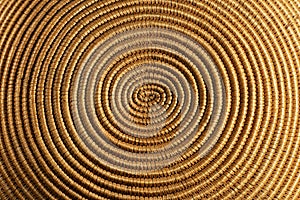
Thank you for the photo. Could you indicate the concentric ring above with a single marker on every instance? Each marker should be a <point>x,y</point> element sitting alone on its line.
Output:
<point>149,99</point>
<point>107,119</point>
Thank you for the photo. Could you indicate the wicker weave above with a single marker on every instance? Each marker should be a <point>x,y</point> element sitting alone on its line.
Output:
<point>149,99</point>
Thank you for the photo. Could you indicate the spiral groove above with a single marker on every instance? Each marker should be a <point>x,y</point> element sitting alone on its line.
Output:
<point>149,99</point>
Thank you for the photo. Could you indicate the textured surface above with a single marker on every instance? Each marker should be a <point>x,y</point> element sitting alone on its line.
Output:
<point>149,99</point>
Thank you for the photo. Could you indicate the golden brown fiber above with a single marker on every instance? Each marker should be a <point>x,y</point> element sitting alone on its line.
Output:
<point>149,99</point>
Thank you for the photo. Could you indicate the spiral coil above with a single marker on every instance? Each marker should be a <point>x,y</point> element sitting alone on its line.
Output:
<point>149,99</point>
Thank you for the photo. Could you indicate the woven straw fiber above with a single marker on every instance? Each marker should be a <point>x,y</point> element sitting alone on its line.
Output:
<point>149,99</point>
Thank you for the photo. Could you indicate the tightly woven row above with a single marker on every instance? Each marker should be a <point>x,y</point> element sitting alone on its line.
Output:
<point>149,99</point>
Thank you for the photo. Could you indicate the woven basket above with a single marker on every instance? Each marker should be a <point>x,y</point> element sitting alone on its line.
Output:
<point>149,99</point>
